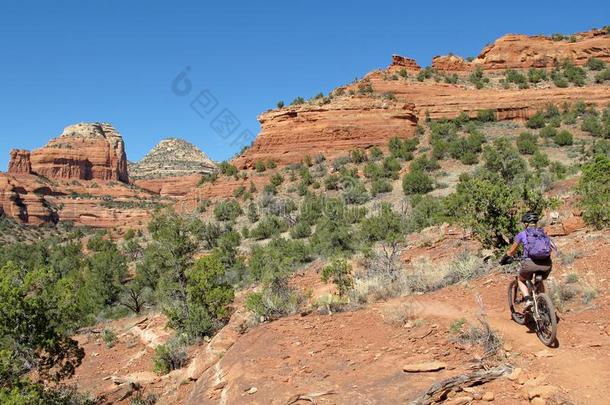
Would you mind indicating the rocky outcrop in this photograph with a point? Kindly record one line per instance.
(20, 162)
(287, 135)
(172, 158)
(85, 151)
(404, 62)
(522, 51)
(450, 63)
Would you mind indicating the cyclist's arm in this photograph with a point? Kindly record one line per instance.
(511, 252)
(513, 249)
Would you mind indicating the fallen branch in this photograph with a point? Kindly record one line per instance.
(308, 397)
(438, 391)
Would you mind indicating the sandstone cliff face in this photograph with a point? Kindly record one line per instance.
(450, 63)
(404, 62)
(522, 51)
(19, 162)
(172, 158)
(85, 151)
(288, 134)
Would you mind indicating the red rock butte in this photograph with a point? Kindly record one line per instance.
(85, 151)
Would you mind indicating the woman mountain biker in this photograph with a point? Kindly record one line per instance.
(536, 253)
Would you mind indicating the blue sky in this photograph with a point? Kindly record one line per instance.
(63, 62)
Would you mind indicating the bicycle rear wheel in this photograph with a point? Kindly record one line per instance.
(513, 294)
(546, 325)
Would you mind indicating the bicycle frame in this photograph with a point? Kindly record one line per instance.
(532, 287)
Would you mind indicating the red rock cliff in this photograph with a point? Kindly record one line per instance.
(20, 162)
(85, 151)
(384, 104)
(522, 51)
(288, 134)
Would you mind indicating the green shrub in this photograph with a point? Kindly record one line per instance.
(469, 158)
(558, 169)
(417, 182)
(527, 143)
(425, 73)
(539, 160)
(574, 74)
(426, 211)
(548, 132)
(592, 125)
(559, 79)
(331, 182)
(280, 104)
(594, 189)
(207, 178)
(169, 356)
(486, 205)
(365, 88)
(422, 163)
(300, 231)
(383, 226)
(276, 180)
(259, 166)
(477, 78)
(602, 76)
(354, 192)
(373, 171)
(486, 115)
(252, 213)
(380, 186)
(357, 156)
(376, 153)
(268, 226)
(339, 272)
(536, 121)
(109, 337)
(595, 64)
(272, 265)
(502, 158)
(227, 210)
(536, 75)
(298, 100)
(227, 169)
(564, 138)
(402, 149)
(513, 76)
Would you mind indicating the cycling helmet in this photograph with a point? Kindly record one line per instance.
(529, 218)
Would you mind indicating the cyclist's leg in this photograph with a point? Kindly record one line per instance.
(525, 273)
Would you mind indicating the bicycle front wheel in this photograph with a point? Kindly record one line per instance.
(514, 294)
(546, 324)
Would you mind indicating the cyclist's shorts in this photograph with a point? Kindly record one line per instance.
(529, 267)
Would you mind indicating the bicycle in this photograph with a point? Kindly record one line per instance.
(542, 311)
